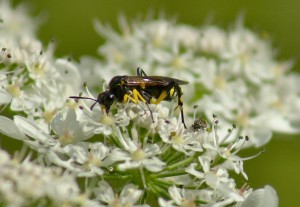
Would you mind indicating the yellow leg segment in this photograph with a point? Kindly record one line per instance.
(162, 96)
(136, 97)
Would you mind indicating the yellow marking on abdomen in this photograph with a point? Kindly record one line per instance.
(142, 85)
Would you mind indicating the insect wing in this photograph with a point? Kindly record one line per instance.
(152, 81)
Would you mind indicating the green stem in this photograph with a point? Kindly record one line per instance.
(116, 177)
(158, 191)
(165, 148)
(141, 169)
(169, 174)
(181, 163)
(163, 183)
(174, 156)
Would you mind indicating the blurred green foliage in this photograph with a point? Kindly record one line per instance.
(70, 22)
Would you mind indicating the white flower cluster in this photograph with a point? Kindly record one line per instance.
(233, 73)
(140, 156)
(27, 184)
(32, 80)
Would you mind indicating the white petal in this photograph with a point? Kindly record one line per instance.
(130, 194)
(10, 129)
(164, 203)
(128, 165)
(154, 164)
(104, 192)
(99, 150)
(281, 124)
(265, 197)
(4, 157)
(191, 170)
(30, 129)
(175, 194)
(5, 98)
(69, 74)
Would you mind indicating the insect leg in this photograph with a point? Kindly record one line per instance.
(150, 112)
(172, 88)
(135, 99)
(169, 90)
(140, 72)
(134, 96)
(137, 96)
(147, 97)
(180, 102)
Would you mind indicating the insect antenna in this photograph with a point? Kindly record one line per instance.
(79, 97)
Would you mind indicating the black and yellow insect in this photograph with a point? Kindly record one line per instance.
(148, 89)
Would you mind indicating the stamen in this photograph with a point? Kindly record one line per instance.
(244, 188)
(214, 128)
(10, 73)
(228, 134)
(195, 111)
(88, 92)
(3, 108)
(251, 157)
(241, 146)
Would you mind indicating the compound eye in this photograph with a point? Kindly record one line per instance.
(111, 96)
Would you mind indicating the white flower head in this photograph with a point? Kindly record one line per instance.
(173, 132)
(129, 195)
(134, 155)
(68, 129)
(262, 197)
(134, 144)
(228, 67)
(23, 183)
(182, 197)
(16, 21)
(85, 159)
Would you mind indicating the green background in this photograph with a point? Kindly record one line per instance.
(70, 22)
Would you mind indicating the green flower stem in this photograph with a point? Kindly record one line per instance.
(176, 155)
(163, 183)
(165, 148)
(169, 174)
(117, 177)
(182, 163)
(158, 191)
(116, 141)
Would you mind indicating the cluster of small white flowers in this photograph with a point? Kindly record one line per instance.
(148, 149)
(183, 197)
(32, 79)
(232, 73)
(27, 184)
